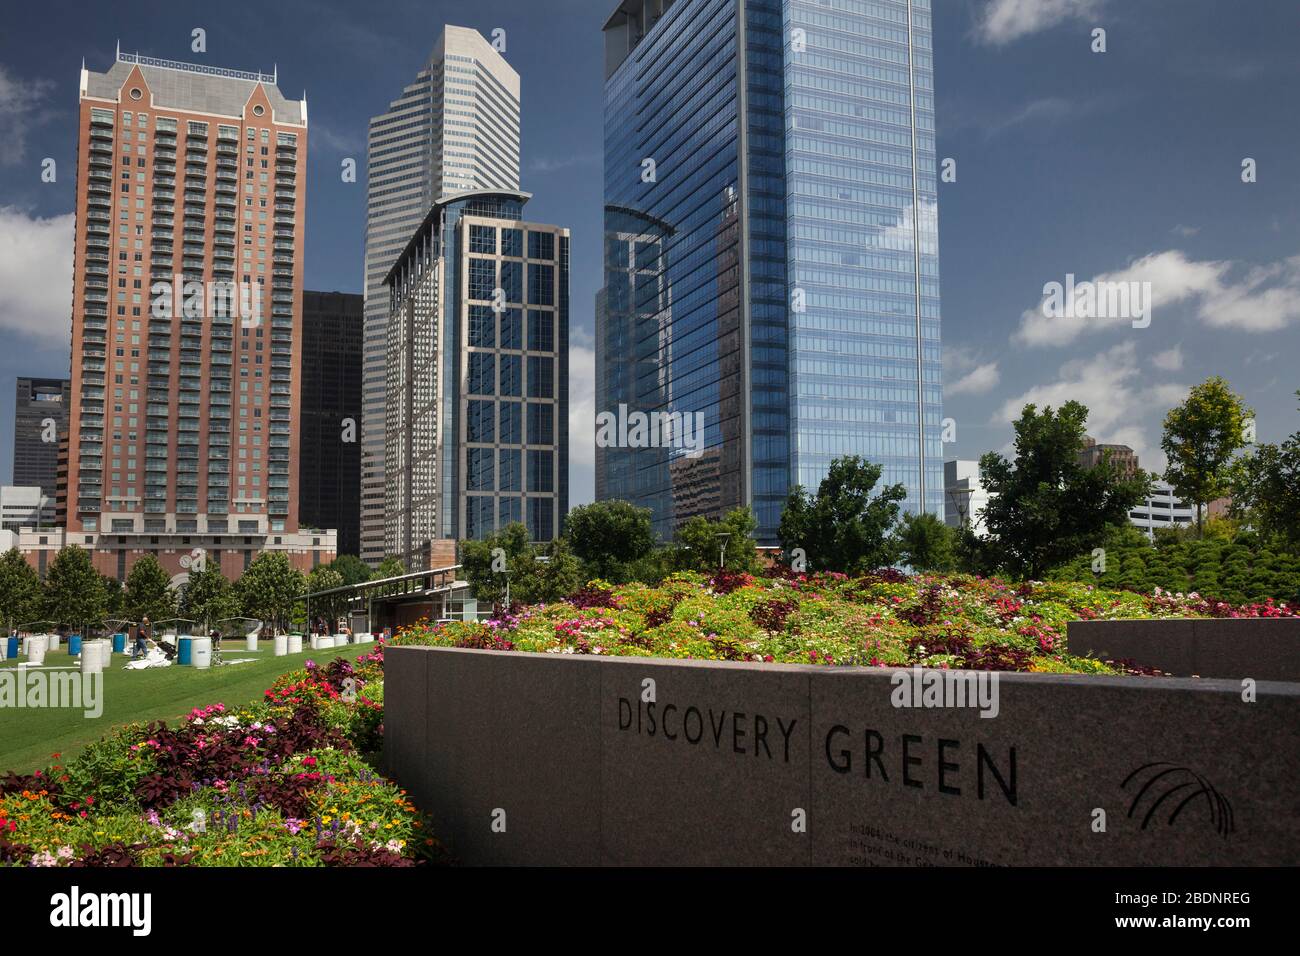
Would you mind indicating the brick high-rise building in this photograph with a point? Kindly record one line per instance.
(187, 318)
(329, 466)
(40, 416)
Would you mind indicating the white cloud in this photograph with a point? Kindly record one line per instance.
(22, 106)
(1004, 21)
(1170, 360)
(36, 276)
(1222, 294)
(582, 425)
(1123, 406)
(977, 381)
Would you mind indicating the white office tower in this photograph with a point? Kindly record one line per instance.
(456, 128)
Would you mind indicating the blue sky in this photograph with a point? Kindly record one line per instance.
(1124, 164)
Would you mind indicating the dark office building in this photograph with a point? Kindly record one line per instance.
(329, 472)
(39, 402)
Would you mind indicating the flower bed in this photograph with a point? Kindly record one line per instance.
(885, 619)
(286, 782)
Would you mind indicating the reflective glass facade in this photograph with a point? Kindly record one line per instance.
(766, 274)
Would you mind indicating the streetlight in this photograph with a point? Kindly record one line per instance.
(961, 501)
(722, 537)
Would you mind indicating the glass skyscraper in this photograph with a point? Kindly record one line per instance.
(771, 249)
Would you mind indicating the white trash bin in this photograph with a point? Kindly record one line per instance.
(295, 643)
(36, 650)
(281, 645)
(201, 652)
(92, 662)
(54, 642)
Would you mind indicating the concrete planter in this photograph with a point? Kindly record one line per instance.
(1260, 648)
(754, 764)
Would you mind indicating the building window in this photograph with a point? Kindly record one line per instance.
(511, 377)
(512, 281)
(480, 422)
(509, 472)
(541, 245)
(540, 519)
(541, 284)
(483, 239)
(512, 242)
(511, 417)
(482, 278)
(541, 377)
(541, 431)
(541, 331)
(512, 329)
(539, 470)
(482, 327)
(479, 468)
(482, 370)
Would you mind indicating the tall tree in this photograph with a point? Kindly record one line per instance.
(1266, 489)
(114, 599)
(269, 587)
(148, 591)
(351, 569)
(209, 597)
(488, 563)
(925, 543)
(1200, 438)
(325, 606)
(73, 592)
(844, 527)
(608, 536)
(1045, 508)
(701, 543)
(20, 590)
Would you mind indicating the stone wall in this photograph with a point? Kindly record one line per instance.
(554, 760)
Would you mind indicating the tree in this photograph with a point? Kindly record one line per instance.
(1266, 489)
(114, 600)
(608, 536)
(269, 588)
(1046, 508)
(700, 547)
(487, 563)
(1200, 438)
(390, 567)
(148, 591)
(925, 543)
(20, 590)
(73, 592)
(209, 597)
(326, 606)
(844, 527)
(351, 569)
(552, 573)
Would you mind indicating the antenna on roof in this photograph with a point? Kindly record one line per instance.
(275, 74)
(118, 55)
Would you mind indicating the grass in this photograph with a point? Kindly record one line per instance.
(28, 736)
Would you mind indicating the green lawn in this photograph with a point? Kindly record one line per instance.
(28, 736)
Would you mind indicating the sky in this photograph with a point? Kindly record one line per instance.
(1122, 165)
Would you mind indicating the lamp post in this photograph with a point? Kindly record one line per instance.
(722, 537)
(961, 501)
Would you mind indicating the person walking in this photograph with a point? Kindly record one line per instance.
(141, 638)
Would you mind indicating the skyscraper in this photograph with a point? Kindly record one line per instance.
(478, 368)
(40, 417)
(187, 319)
(771, 255)
(456, 128)
(329, 466)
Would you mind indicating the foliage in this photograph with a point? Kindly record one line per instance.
(844, 527)
(351, 569)
(114, 597)
(148, 591)
(609, 537)
(884, 618)
(1045, 508)
(209, 597)
(536, 573)
(20, 589)
(73, 593)
(327, 607)
(1266, 489)
(287, 782)
(1200, 438)
(924, 543)
(699, 546)
(1216, 568)
(269, 588)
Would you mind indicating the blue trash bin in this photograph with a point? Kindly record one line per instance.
(74, 645)
(13, 648)
(184, 651)
(119, 643)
